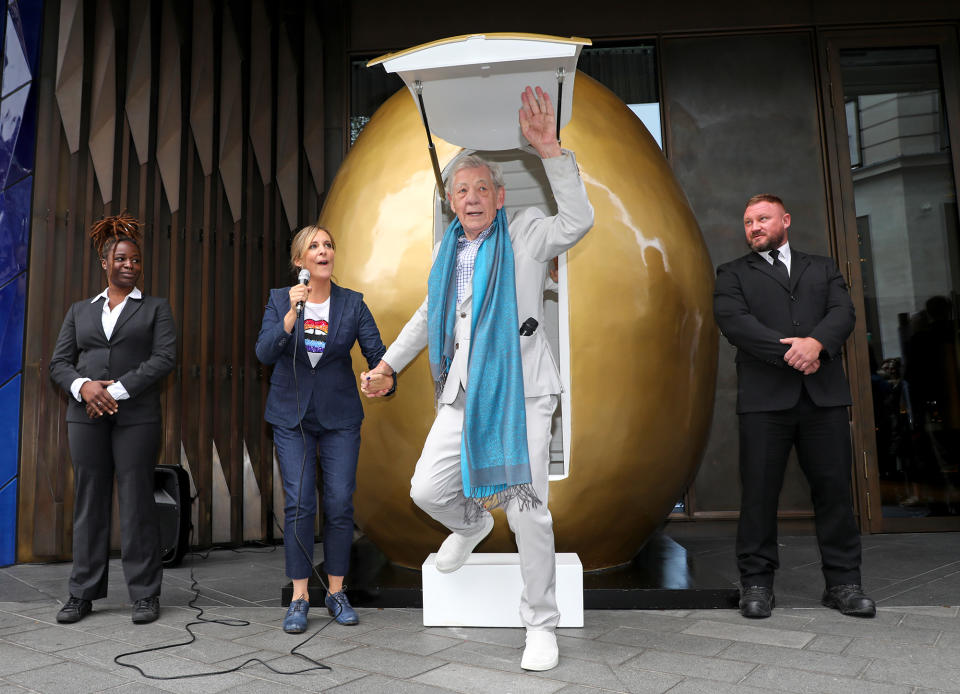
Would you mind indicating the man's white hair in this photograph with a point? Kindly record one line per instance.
(472, 161)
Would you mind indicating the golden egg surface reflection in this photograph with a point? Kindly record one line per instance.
(642, 337)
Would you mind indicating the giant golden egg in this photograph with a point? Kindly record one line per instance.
(642, 341)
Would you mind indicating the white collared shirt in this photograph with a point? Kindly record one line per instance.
(784, 256)
(108, 319)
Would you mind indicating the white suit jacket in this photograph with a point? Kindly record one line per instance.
(536, 239)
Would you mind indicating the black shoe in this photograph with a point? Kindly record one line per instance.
(756, 602)
(75, 610)
(146, 610)
(850, 600)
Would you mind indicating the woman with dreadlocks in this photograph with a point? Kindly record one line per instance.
(111, 355)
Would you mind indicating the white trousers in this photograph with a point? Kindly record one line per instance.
(437, 488)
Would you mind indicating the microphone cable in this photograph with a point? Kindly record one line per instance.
(303, 465)
(200, 619)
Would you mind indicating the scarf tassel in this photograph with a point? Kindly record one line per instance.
(524, 494)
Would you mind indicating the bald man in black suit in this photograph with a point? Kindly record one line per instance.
(788, 314)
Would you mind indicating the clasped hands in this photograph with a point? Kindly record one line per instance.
(803, 354)
(98, 398)
(378, 381)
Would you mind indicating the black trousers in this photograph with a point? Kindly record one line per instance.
(822, 438)
(98, 450)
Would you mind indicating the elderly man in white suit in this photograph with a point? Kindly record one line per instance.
(476, 195)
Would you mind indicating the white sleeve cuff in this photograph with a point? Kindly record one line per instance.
(117, 391)
(75, 388)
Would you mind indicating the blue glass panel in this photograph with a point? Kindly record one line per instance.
(24, 153)
(9, 429)
(11, 115)
(28, 16)
(14, 229)
(8, 524)
(8, 246)
(12, 297)
(16, 70)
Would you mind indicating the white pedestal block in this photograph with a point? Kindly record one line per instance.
(485, 592)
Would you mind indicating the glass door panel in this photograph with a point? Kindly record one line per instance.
(909, 251)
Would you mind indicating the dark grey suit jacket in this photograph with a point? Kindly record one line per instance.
(754, 308)
(140, 352)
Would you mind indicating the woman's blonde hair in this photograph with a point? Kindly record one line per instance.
(302, 241)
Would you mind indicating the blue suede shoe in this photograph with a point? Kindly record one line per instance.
(296, 620)
(338, 606)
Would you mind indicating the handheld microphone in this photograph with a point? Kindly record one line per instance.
(529, 327)
(303, 277)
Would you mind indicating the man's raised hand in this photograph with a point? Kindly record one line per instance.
(538, 122)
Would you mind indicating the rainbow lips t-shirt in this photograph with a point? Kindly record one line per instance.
(315, 329)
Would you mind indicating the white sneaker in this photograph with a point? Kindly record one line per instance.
(541, 652)
(456, 549)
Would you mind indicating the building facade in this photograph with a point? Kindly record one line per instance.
(222, 123)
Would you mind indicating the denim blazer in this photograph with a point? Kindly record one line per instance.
(333, 381)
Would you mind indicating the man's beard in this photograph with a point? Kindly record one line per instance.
(762, 244)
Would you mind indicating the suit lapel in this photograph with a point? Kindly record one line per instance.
(336, 311)
(798, 263)
(94, 310)
(129, 310)
(761, 265)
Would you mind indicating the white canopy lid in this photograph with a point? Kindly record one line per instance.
(472, 84)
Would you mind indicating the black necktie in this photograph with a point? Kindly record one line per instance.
(779, 267)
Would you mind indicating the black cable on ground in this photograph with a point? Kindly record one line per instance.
(314, 665)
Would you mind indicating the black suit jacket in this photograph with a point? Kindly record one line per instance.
(141, 350)
(754, 309)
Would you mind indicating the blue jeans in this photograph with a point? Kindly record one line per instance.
(297, 456)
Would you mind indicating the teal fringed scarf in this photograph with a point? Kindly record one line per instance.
(493, 449)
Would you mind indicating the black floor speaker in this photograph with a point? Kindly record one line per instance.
(171, 491)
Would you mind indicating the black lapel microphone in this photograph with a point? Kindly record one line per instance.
(529, 327)
(303, 278)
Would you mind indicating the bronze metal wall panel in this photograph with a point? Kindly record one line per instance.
(212, 261)
(743, 118)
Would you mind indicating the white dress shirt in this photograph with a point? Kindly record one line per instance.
(784, 256)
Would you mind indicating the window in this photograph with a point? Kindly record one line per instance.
(853, 132)
(630, 72)
(369, 89)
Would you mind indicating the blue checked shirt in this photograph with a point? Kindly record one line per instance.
(466, 256)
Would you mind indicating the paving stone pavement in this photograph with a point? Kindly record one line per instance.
(907, 649)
